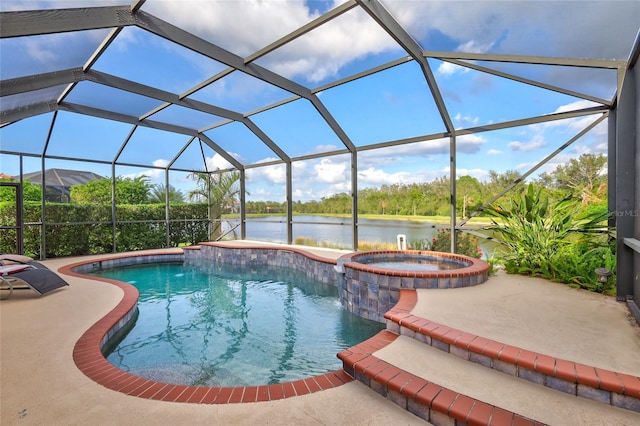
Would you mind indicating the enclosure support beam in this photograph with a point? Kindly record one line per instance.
(49, 21)
(167, 224)
(452, 184)
(289, 196)
(627, 204)
(243, 202)
(354, 199)
(43, 229)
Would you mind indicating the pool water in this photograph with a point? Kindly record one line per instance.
(415, 265)
(221, 325)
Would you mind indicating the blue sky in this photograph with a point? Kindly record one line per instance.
(394, 104)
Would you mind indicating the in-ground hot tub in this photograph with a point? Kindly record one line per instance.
(371, 281)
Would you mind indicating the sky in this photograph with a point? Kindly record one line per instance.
(391, 105)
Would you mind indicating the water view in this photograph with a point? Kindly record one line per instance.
(338, 231)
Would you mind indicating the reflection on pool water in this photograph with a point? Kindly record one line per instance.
(221, 325)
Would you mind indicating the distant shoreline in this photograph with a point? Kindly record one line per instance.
(476, 221)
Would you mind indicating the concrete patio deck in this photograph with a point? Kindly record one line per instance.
(41, 385)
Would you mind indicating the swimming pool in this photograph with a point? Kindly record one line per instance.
(229, 325)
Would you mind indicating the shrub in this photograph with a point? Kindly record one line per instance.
(576, 265)
(143, 227)
(561, 242)
(466, 244)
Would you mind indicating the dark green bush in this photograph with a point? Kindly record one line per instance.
(561, 242)
(576, 265)
(140, 227)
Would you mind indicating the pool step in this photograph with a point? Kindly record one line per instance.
(426, 399)
(446, 390)
(449, 377)
(598, 384)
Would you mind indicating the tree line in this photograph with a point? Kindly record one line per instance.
(585, 177)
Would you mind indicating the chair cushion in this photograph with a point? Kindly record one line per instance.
(12, 259)
(12, 269)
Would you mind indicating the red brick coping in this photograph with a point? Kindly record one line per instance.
(420, 397)
(472, 266)
(609, 387)
(87, 354)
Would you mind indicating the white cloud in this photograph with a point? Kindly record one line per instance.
(217, 162)
(302, 194)
(326, 148)
(576, 124)
(447, 69)
(154, 175)
(473, 46)
(480, 174)
(272, 175)
(39, 51)
(494, 152)
(466, 121)
(534, 144)
(328, 171)
(467, 144)
(534, 28)
(377, 177)
(314, 56)
(160, 162)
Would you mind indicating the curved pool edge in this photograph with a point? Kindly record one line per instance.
(370, 291)
(88, 357)
(474, 266)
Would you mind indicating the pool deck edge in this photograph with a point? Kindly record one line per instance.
(88, 356)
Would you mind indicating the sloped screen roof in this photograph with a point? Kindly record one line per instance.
(194, 85)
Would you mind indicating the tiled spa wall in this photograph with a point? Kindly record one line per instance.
(316, 268)
(320, 269)
(370, 291)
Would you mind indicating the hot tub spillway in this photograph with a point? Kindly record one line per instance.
(370, 290)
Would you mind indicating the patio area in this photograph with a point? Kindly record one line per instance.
(40, 384)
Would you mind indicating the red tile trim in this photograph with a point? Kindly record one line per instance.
(362, 360)
(475, 266)
(565, 370)
(88, 357)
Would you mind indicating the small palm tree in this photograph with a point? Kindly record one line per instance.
(157, 194)
(219, 190)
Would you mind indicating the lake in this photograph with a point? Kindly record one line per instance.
(337, 230)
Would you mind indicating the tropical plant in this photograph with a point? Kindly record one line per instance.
(577, 264)
(541, 236)
(466, 244)
(219, 190)
(157, 194)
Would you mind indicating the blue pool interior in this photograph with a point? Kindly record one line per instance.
(228, 325)
(416, 264)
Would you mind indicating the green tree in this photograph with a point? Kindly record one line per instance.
(219, 190)
(500, 181)
(468, 194)
(30, 191)
(128, 191)
(585, 176)
(157, 194)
